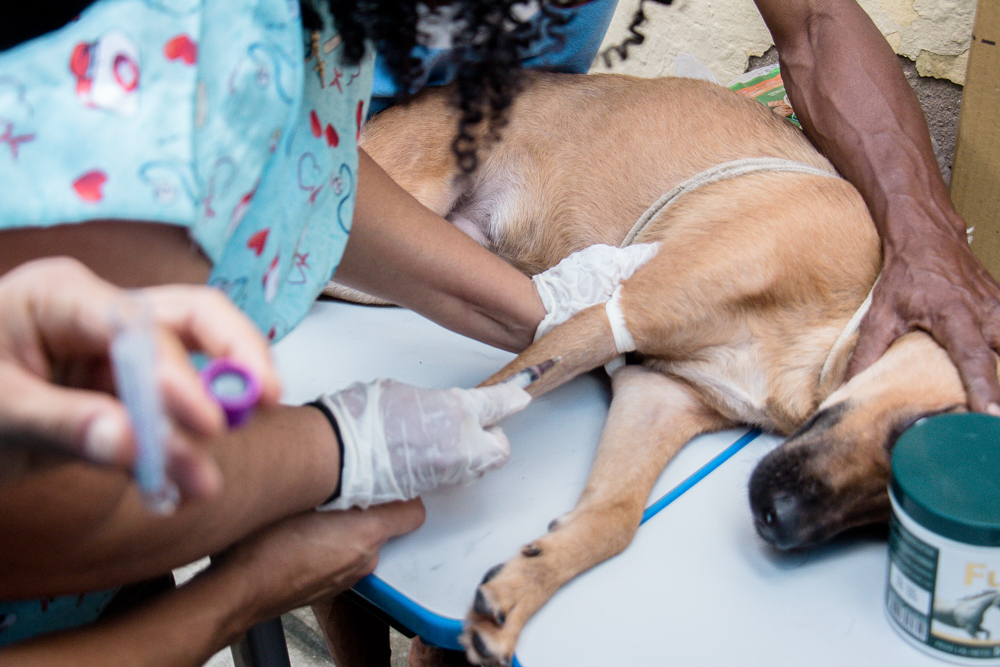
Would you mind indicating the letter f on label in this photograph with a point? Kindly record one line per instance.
(974, 571)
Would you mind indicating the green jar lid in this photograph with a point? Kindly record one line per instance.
(946, 476)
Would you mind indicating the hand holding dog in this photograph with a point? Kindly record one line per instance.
(930, 278)
(585, 278)
(938, 286)
(401, 441)
(55, 372)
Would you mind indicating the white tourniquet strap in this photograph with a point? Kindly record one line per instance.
(623, 337)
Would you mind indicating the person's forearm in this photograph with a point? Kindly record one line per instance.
(855, 104)
(181, 628)
(403, 252)
(74, 527)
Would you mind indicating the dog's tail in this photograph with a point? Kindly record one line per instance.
(581, 343)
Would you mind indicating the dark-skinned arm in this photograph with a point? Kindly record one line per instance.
(296, 561)
(73, 527)
(855, 104)
(402, 251)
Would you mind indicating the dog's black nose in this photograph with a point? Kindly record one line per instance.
(781, 492)
(777, 519)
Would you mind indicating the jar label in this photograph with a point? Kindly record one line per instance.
(946, 598)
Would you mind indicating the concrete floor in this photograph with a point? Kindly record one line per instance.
(306, 646)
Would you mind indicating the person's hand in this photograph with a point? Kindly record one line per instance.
(585, 278)
(400, 441)
(55, 380)
(315, 555)
(940, 287)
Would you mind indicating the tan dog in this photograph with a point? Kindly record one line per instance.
(741, 318)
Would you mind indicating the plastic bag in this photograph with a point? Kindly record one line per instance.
(765, 85)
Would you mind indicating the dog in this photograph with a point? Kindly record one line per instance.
(746, 315)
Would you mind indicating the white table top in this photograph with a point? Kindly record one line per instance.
(696, 587)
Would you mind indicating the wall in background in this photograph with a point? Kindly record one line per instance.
(723, 34)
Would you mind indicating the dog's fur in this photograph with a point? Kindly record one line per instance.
(734, 318)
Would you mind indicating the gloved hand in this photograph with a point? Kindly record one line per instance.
(587, 277)
(400, 441)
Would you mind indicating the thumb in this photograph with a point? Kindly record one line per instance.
(399, 517)
(497, 401)
(493, 456)
(873, 340)
(90, 424)
(634, 256)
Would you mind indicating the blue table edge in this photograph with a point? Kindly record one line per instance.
(441, 631)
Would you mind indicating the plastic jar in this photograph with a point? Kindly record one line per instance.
(943, 585)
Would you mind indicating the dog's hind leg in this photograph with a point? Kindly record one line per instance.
(651, 417)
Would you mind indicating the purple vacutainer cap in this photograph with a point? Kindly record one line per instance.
(234, 387)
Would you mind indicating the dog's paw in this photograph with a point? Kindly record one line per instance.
(484, 650)
(505, 599)
(511, 593)
(487, 643)
(486, 638)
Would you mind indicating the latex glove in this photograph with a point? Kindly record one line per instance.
(587, 277)
(401, 441)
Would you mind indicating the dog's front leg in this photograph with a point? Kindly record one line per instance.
(581, 343)
(651, 417)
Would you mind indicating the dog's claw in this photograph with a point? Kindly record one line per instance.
(483, 607)
(480, 605)
(493, 571)
(479, 646)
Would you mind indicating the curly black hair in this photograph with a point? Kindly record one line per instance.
(635, 37)
(489, 42)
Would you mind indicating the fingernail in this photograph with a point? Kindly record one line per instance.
(103, 441)
(993, 409)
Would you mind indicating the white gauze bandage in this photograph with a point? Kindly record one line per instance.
(623, 337)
